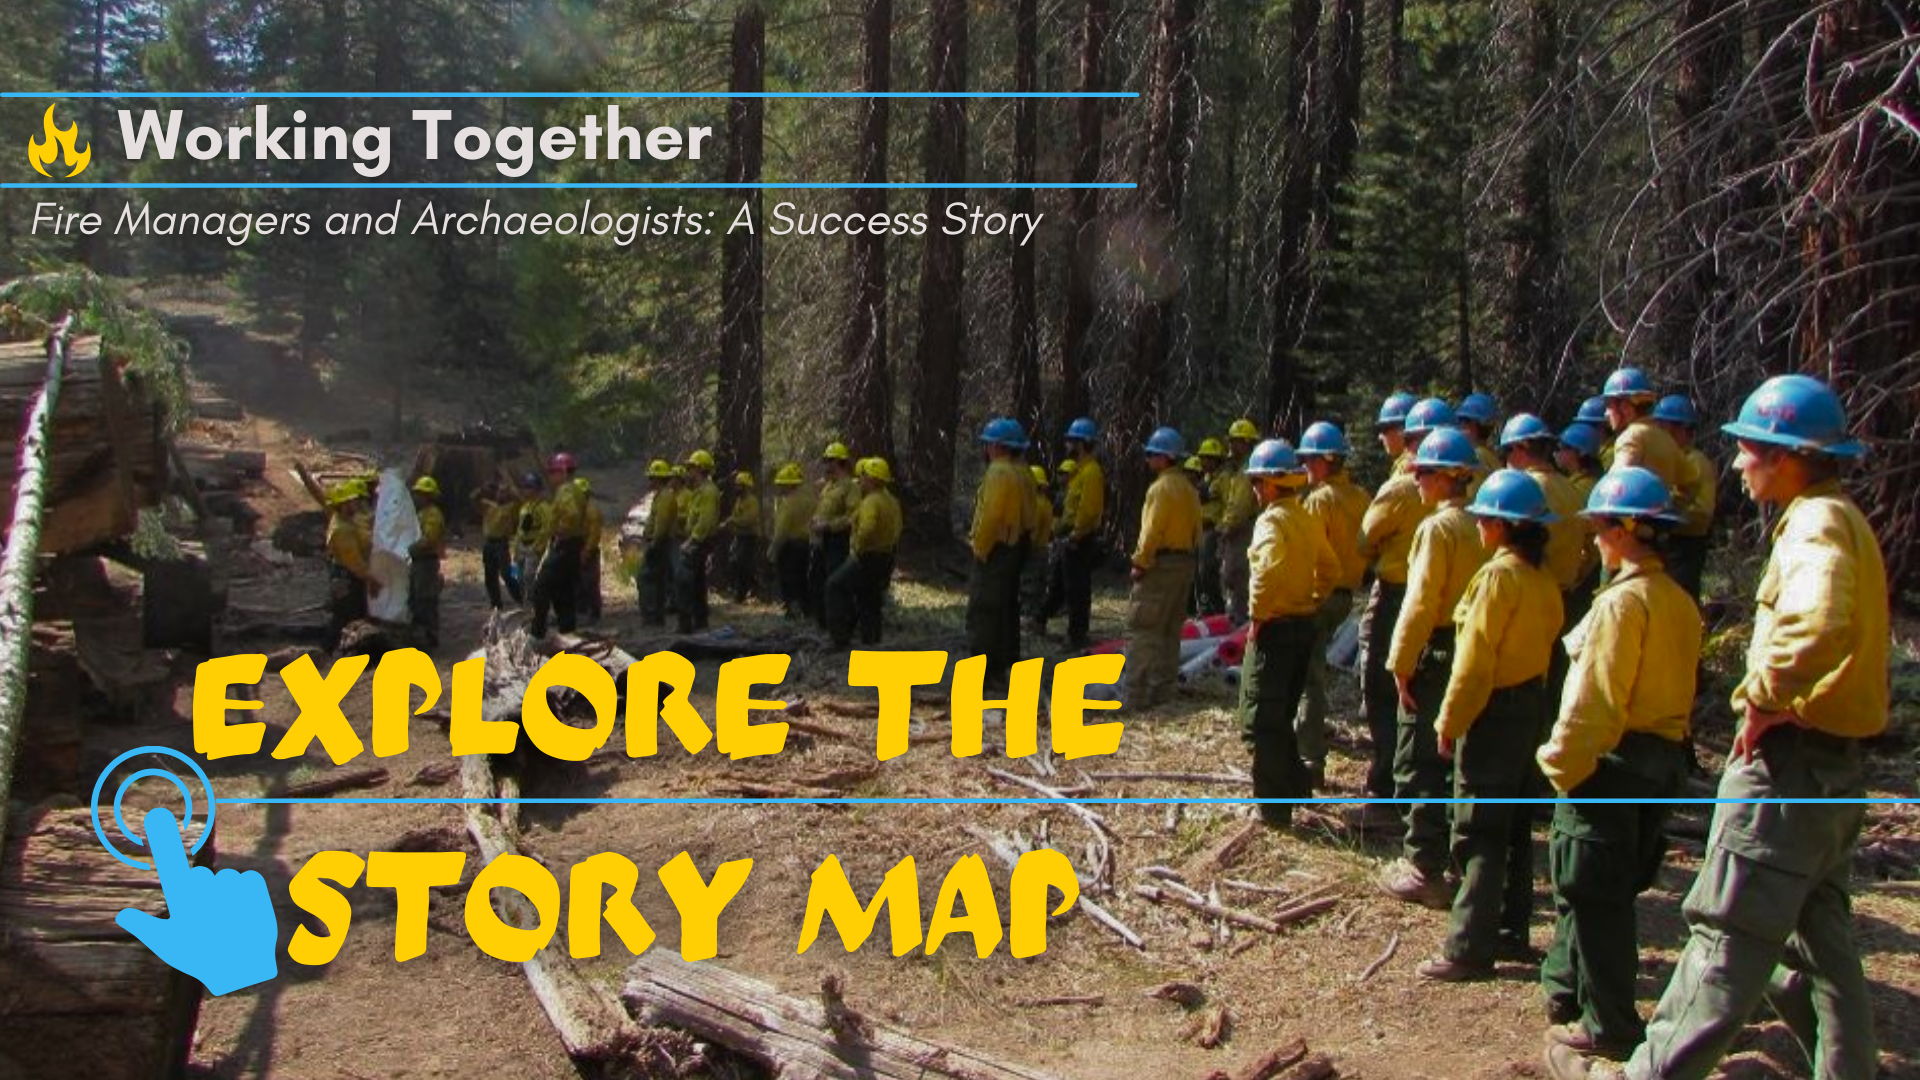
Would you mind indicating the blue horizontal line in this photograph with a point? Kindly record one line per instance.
(698, 94)
(774, 185)
(1036, 801)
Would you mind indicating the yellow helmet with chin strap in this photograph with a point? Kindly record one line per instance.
(1243, 429)
(427, 485)
(659, 470)
(789, 476)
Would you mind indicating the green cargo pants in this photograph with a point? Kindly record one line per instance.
(1600, 858)
(1378, 696)
(1419, 772)
(1208, 598)
(1493, 841)
(1310, 727)
(1273, 674)
(1235, 570)
(993, 609)
(1156, 611)
(1770, 917)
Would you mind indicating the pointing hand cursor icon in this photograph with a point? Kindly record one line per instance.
(220, 927)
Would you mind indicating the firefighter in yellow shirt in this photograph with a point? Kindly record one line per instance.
(1770, 913)
(1446, 554)
(556, 588)
(1292, 569)
(743, 538)
(423, 561)
(1163, 568)
(1082, 511)
(349, 551)
(1339, 505)
(787, 548)
(1033, 573)
(1637, 440)
(1002, 528)
(1237, 511)
(1491, 720)
(1209, 597)
(1620, 737)
(1687, 545)
(857, 589)
(588, 602)
(499, 515)
(699, 526)
(656, 563)
(832, 526)
(1476, 416)
(530, 533)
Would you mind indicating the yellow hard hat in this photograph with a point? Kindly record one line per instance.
(346, 491)
(679, 471)
(1068, 466)
(835, 452)
(1243, 429)
(1039, 474)
(878, 469)
(700, 459)
(789, 476)
(659, 470)
(743, 478)
(581, 483)
(1210, 447)
(427, 485)
(1195, 465)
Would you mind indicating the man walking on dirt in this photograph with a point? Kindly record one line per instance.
(1079, 530)
(1163, 568)
(556, 587)
(1002, 524)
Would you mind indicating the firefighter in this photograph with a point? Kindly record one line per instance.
(1579, 456)
(832, 525)
(1445, 555)
(1078, 528)
(1033, 574)
(787, 547)
(1621, 737)
(1529, 444)
(530, 532)
(1390, 428)
(656, 564)
(743, 538)
(857, 589)
(1770, 915)
(1492, 718)
(349, 554)
(1162, 573)
(588, 603)
(1292, 569)
(1338, 504)
(556, 587)
(1687, 545)
(1237, 511)
(499, 515)
(1002, 524)
(1637, 440)
(1476, 416)
(699, 527)
(423, 572)
(1209, 597)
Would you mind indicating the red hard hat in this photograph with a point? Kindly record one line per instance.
(561, 462)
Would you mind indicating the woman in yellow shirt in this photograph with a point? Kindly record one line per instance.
(1492, 719)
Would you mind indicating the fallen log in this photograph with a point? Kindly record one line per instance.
(792, 1037)
(1160, 895)
(1270, 1064)
(1221, 857)
(1301, 912)
(351, 779)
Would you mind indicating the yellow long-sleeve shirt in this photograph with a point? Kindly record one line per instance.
(1042, 519)
(1701, 494)
(498, 518)
(1583, 483)
(702, 509)
(1169, 519)
(792, 511)
(536, 516)
(1633, 663)
(1446, 554)
(1002, 508)
(349, 543)
(1086, 501)
(567, 512)
(1569, 538)
(876, 523)
(1213, 500)
(433, 533)
(1238, 507)
(1388, 526)
(596, 524)
(1648, 445)
(1820, 633)
(745, 518)
(1291, 567)
(662, 513)
(833, 510)
(1340, 506)
(1489, 461)
(1506, 622)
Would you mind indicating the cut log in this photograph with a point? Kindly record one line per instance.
(217, 408)
(792, 1037)
(344, 780)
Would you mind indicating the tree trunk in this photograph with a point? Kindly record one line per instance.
(1288, 397)
(1083, 216)
(868, 392)
(1023, 348)
(1394, 69)
(742, 281)
(942, 352)
(1343, 73)
(1532, 334)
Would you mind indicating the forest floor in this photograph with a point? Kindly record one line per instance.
(455, 1012)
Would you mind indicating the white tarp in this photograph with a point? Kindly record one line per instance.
(396, 528)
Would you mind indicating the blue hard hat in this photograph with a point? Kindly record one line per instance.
(1582, 438)
(1446, 448)
(1524, 427)
(1676, 409)
(1629, 491)
(1324, 439)
(1592, 411)
(1393, 411)
(1083, 429)
(1628, 382)
(1167, 442)
(1798, 412)
(1273, 457)
(1512, 495)
(1478, 407)
(1005, 431)
(1428, 414)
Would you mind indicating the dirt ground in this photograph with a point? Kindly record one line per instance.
(455, 1012)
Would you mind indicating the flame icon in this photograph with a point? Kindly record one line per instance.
(58, 146)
